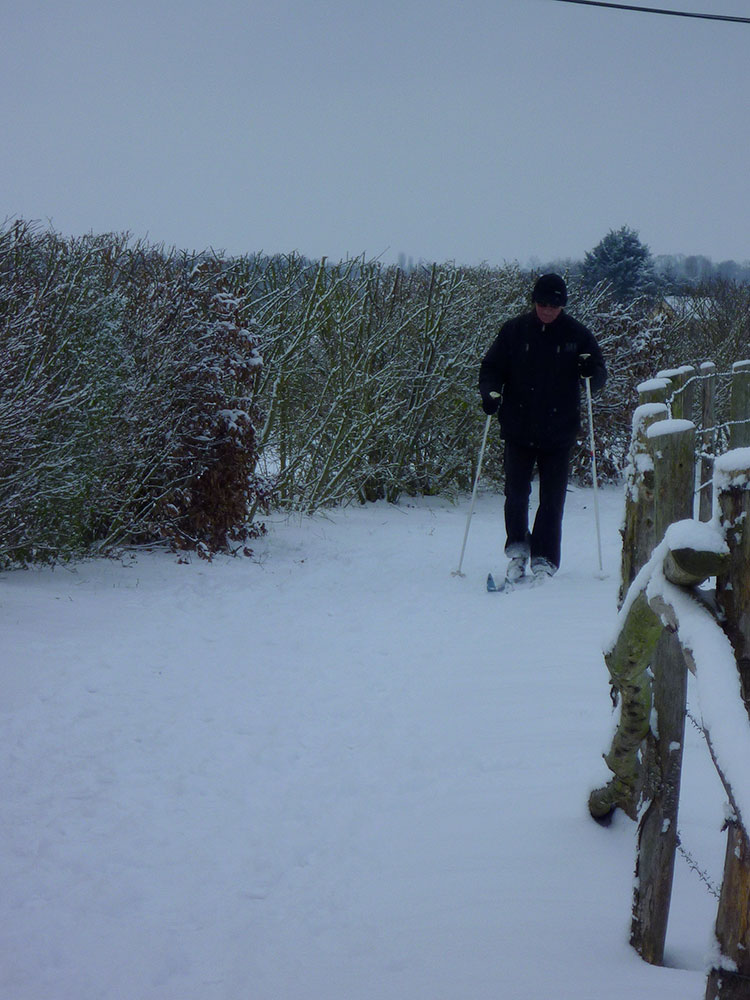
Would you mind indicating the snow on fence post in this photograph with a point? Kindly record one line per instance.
(653, 390)
(637, 531)
(708, 439)
(729, 979)
(739, 408)
(673, 450)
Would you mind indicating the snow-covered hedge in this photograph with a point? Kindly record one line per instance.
(370, 378)
(125, 411)
(135, 406)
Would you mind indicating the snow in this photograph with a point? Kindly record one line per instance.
(652, 384)
(708, 651)
(718, 684)
(672, 426)
(332, 772)
(671, 373)
(645, 412)
(640, 461)
(710, 654)
(692, 534)
(731, 469)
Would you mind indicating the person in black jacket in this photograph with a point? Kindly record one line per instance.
(532, 376)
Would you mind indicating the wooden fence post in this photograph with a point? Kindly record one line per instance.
(673, 448)
(739, 409)
(682, 391)
(638, 525)
(732, 472)
(653, 390)
(708, 440)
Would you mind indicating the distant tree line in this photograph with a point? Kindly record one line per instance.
(681, 274)
(149, 396)
(623, 260)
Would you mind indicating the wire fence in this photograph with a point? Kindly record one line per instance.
(718, 405)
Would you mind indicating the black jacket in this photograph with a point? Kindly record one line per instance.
(535, 368)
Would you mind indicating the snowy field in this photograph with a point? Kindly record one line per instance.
(330, 772)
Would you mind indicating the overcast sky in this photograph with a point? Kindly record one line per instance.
(474, 130)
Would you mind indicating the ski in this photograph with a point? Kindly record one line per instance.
(508, 586)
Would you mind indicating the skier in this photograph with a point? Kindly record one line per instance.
(536, 363)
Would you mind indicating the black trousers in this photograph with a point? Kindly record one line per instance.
(545, 539)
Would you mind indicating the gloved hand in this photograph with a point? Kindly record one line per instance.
(490, 402)
(586, 365)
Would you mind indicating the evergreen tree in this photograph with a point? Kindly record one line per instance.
(625, 263)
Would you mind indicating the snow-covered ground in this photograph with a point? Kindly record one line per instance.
(332, 772)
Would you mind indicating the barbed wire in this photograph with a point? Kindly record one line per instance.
(695, 867)
(694, 378)
(721, 428)
(692, 864)
(695, 722)
(717, 428)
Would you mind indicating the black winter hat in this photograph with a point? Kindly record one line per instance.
(550, 290)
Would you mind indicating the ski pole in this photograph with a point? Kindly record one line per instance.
(457, 572)
(593, 466)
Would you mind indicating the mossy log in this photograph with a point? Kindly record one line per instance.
(646, 640)
(628, 662)
(689, 567)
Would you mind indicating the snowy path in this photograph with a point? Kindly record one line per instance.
(334, 772)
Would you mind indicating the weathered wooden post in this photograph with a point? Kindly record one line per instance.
(732, 491)
(739, 407)
(708, 439)
(673, 449)
(653, 390)
(682, 390)
(638, 524)
(638, 538)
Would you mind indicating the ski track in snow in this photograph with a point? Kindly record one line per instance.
(334, 771)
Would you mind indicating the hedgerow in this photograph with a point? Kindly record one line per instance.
(149, 396)
(126, 384)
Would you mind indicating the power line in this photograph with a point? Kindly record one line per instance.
(659, 10)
